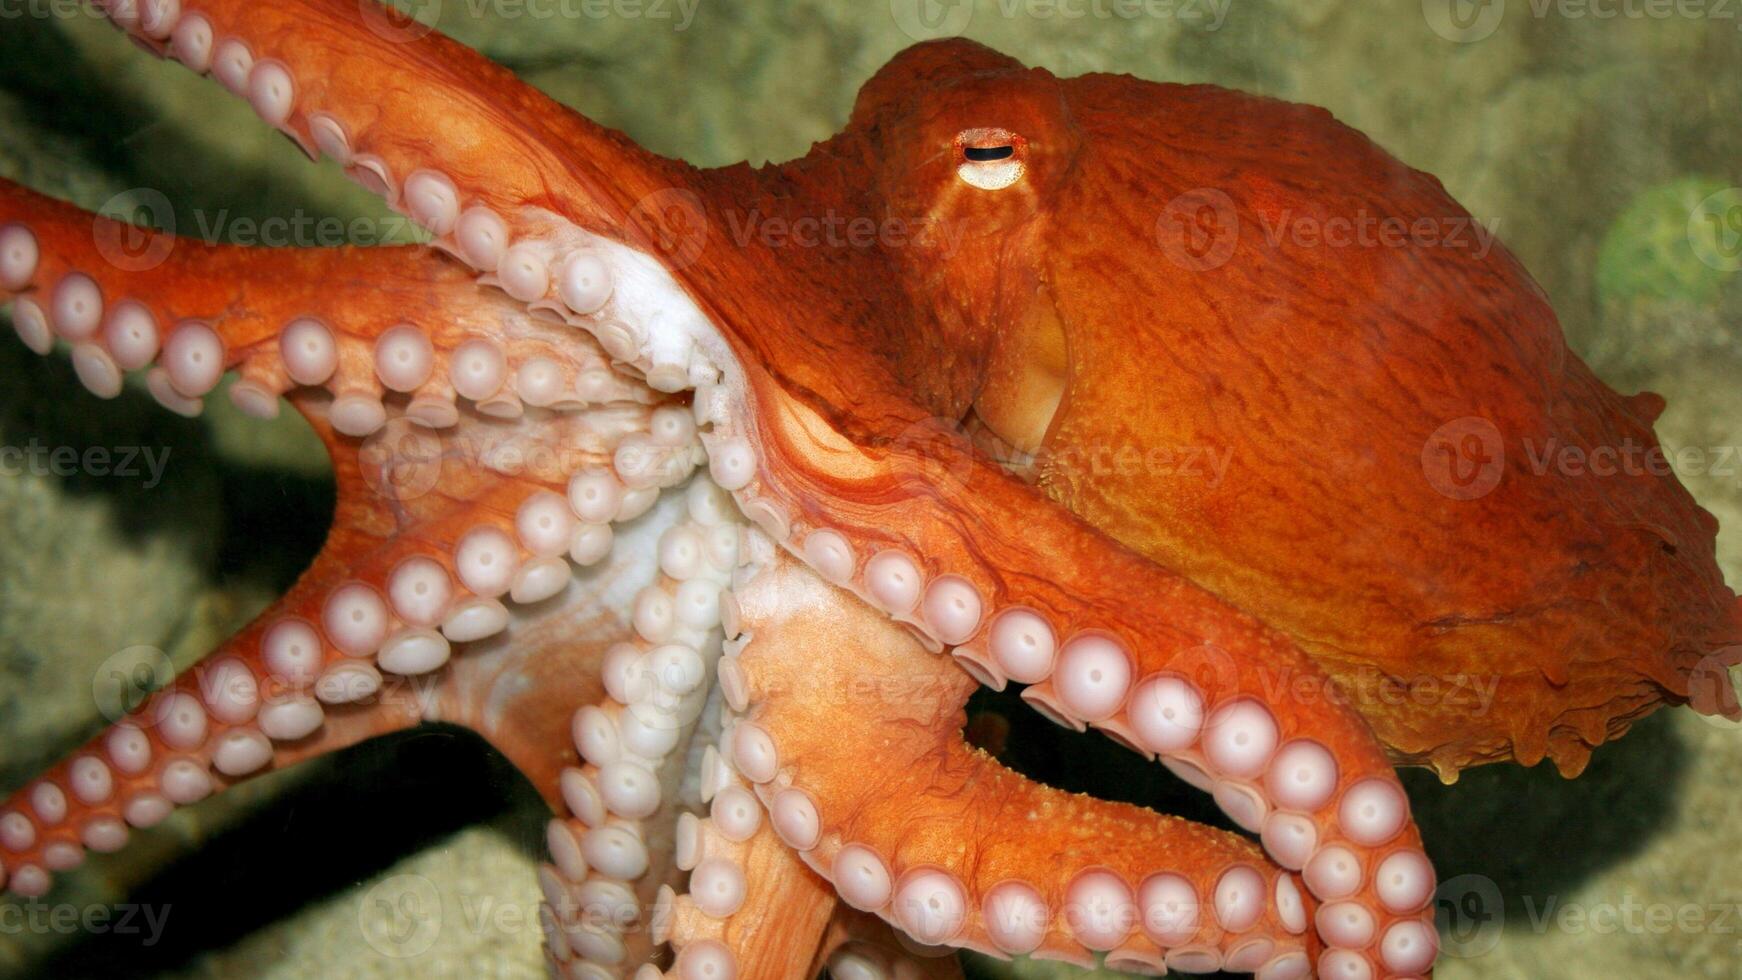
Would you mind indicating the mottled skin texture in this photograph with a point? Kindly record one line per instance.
(1318, 372)
(1122, 295)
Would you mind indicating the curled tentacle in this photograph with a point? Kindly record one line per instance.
(946, 844)
(1178, 675)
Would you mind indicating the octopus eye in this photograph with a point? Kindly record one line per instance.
(990, 159)
(984, 154)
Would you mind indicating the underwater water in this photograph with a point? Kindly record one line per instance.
(1601, 141)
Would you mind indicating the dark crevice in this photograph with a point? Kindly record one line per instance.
(1508, 841)
(1077, 762)
(1084, 762)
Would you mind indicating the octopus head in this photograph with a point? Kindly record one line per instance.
(975, 151)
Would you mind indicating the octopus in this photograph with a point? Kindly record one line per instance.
(713, 537)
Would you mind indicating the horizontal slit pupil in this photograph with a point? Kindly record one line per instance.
(981, 154)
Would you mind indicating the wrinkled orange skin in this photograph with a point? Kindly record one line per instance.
(1478, 598)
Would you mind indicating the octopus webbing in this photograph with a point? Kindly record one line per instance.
(713, 537)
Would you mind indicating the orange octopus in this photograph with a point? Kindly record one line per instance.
(678, 485)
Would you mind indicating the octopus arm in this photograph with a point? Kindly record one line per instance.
(750, 906)
(951, 847)
(343, 329)
(1020, 590)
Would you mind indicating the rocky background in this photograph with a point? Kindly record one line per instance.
(1604, 150)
